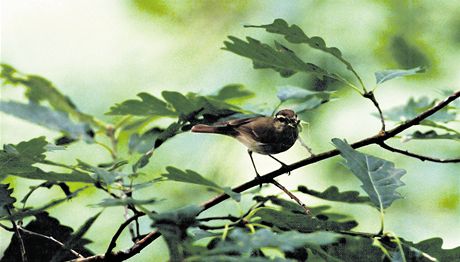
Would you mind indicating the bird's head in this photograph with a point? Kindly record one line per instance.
(287, 117)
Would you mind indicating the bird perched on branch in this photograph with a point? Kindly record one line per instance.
(264, 135)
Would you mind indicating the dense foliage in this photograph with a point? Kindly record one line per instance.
(273, 228)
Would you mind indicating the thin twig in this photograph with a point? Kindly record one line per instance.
(21, 241)
(370, 96)
(376, 139)
(292, 196)
(10, 229)
(51, 239)
(113, 242)
(421, 157)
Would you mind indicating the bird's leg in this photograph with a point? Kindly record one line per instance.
(255, 169)
(282, 164)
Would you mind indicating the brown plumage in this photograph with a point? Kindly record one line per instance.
(264, 135)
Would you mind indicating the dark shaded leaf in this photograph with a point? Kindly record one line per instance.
(287, 220)
(173, 226)
(75, 238)
(189, 176)
(179, 102)
(41, 249)
(415, 107)
(149, 106)
(379, 177)
(6, 200)
(112, 202)
(295, 35)
(352, 249)
(332, 193)
(385, 75)
(43, 116)
(281, 59)
(244, 243)
(143, 143)
(433, 248)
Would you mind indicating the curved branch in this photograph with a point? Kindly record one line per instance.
(423, 158)
(377, 139)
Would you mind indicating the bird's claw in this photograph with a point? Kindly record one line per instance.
(259, 180)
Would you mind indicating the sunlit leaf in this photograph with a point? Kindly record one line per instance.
(34, 211)
(295, 35)
(233, 92)
(43, 116)
(18, 160)
(385, 75)
(281, 59)
(40, 249)
(431, 134)
(379, 177)
(179, 102)
(39, 89)
(332, 194)
(189, 176)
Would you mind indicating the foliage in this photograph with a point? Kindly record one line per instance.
(272, 229)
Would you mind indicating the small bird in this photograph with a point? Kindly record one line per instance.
(264, 135)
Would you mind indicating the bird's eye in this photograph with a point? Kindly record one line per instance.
(281, 119)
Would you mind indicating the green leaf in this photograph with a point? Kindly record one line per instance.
(173, 226)
(406, 53)
(281, 59)
(39, 89)
(179, 102)
(40, 249)
(433, 247)
(287, 220)
(18, 160)
(192, 177)
(385, 75)
(6, 200)
(415, 107)
(172, 130)
(149, 106)
(99, 174)
(43, 116)
(242, 242)
(75, 238)
(379, 177)
(295, 35)
(32, 212)
(143, 143)
(352, 248)
(233, 92)
(332, 194)
(112, 202)
(431, 134)
(301, 99)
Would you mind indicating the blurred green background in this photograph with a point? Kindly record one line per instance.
(103, 52)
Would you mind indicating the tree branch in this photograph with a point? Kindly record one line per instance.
(423, 158)
(292, 196)
(370, 96)
(376, 139)
(113, 242)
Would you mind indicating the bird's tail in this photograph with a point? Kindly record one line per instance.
(200, 128)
